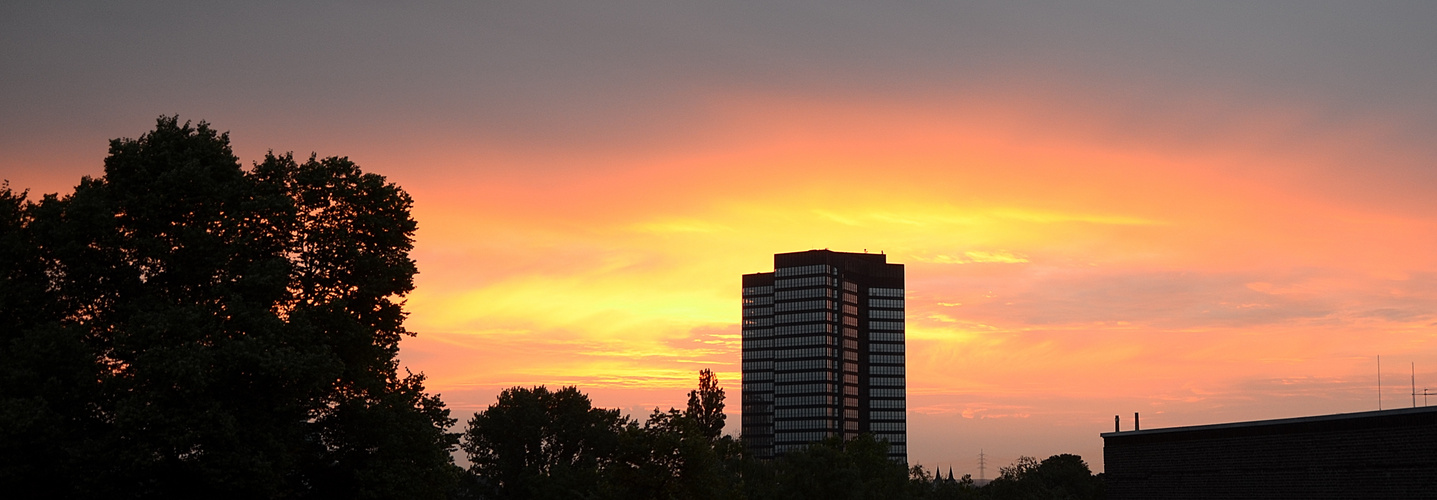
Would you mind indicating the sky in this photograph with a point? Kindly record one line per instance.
(1203, 212)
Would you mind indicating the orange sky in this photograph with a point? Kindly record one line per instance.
(1203, 213)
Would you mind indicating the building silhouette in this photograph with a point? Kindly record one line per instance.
(823, 352)
(1374, 454)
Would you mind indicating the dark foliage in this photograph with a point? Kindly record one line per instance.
(185, 327)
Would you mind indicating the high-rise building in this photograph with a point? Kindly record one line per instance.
(823, 352)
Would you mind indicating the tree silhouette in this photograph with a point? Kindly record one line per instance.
(184, 327)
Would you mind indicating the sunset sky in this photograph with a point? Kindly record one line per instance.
(1201, 212)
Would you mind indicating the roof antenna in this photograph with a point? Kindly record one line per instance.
(1414, 384)
(1379, 382)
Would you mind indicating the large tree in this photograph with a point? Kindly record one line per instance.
(182, 326)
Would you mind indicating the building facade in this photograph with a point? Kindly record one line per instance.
(1375, 454)
(823, 352)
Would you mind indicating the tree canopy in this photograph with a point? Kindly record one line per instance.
(183, 326)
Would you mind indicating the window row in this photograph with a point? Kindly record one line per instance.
(757, 290)
(805, 412)
(757, 418)
(850, 321)
(757, 332)
(850, 298)
(887, 415)
(758, 386)
(888, 303)
(894, 439)
(884, 393)
(804, 317)
(806, 340)
(758, 322)
(894, 359)
(758, 300)
(885, 292)
(891, 404)
(886, 381)
(886, 336)
(757, 397)
(850, 287)
(811, 352)
(792, 329)
(758, 375)
(887, 426)
(749, 312)
(886, 325)
(802, 270)
(806, 293)
(803, 305)
(757, 355)
(850, 310)
(882, 347)
(805, 425)
(757, 343)
(804, 282)
(885, 370)
(788, 401)
(813, 376)
(807, 364)
(758, 408)
(803, 388)
(885, 314)
(754, 366)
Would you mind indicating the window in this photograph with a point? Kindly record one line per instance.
(885, 393)
(764, 375)
(805, 376)
(887, 426)
(886, 336)
(758, 300)
(888, 381)
(885, 370)
(885, 325)
(758, 322)
(812, 352)
(886, 415)
(885, 314)
(803, 305)
(749, 366)
(885, 358)
(896, 404)
(804, 317)
(889, 303)
(757, 343)
(886, 292)
(850, 310)
(757, 311)
(878, 347)
(807, 293)
(757, 290)
(803, 282)
(750, 333)
(757, 355)
(795, 329)
(803, 388)
(802, 270)
(807, 364)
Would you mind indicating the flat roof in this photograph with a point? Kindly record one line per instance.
(1257, 424)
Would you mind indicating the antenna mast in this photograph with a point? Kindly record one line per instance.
(1379, 382)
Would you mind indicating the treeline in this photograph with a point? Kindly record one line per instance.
(537, 443)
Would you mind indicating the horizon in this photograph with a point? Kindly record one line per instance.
(1201, 213)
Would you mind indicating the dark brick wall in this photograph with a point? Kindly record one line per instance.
(1390, 454)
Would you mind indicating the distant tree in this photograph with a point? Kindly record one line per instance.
(537, 443)
(1060, 477)
(706, 405)
(184, 327)
(681, 454)
(857, 468)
